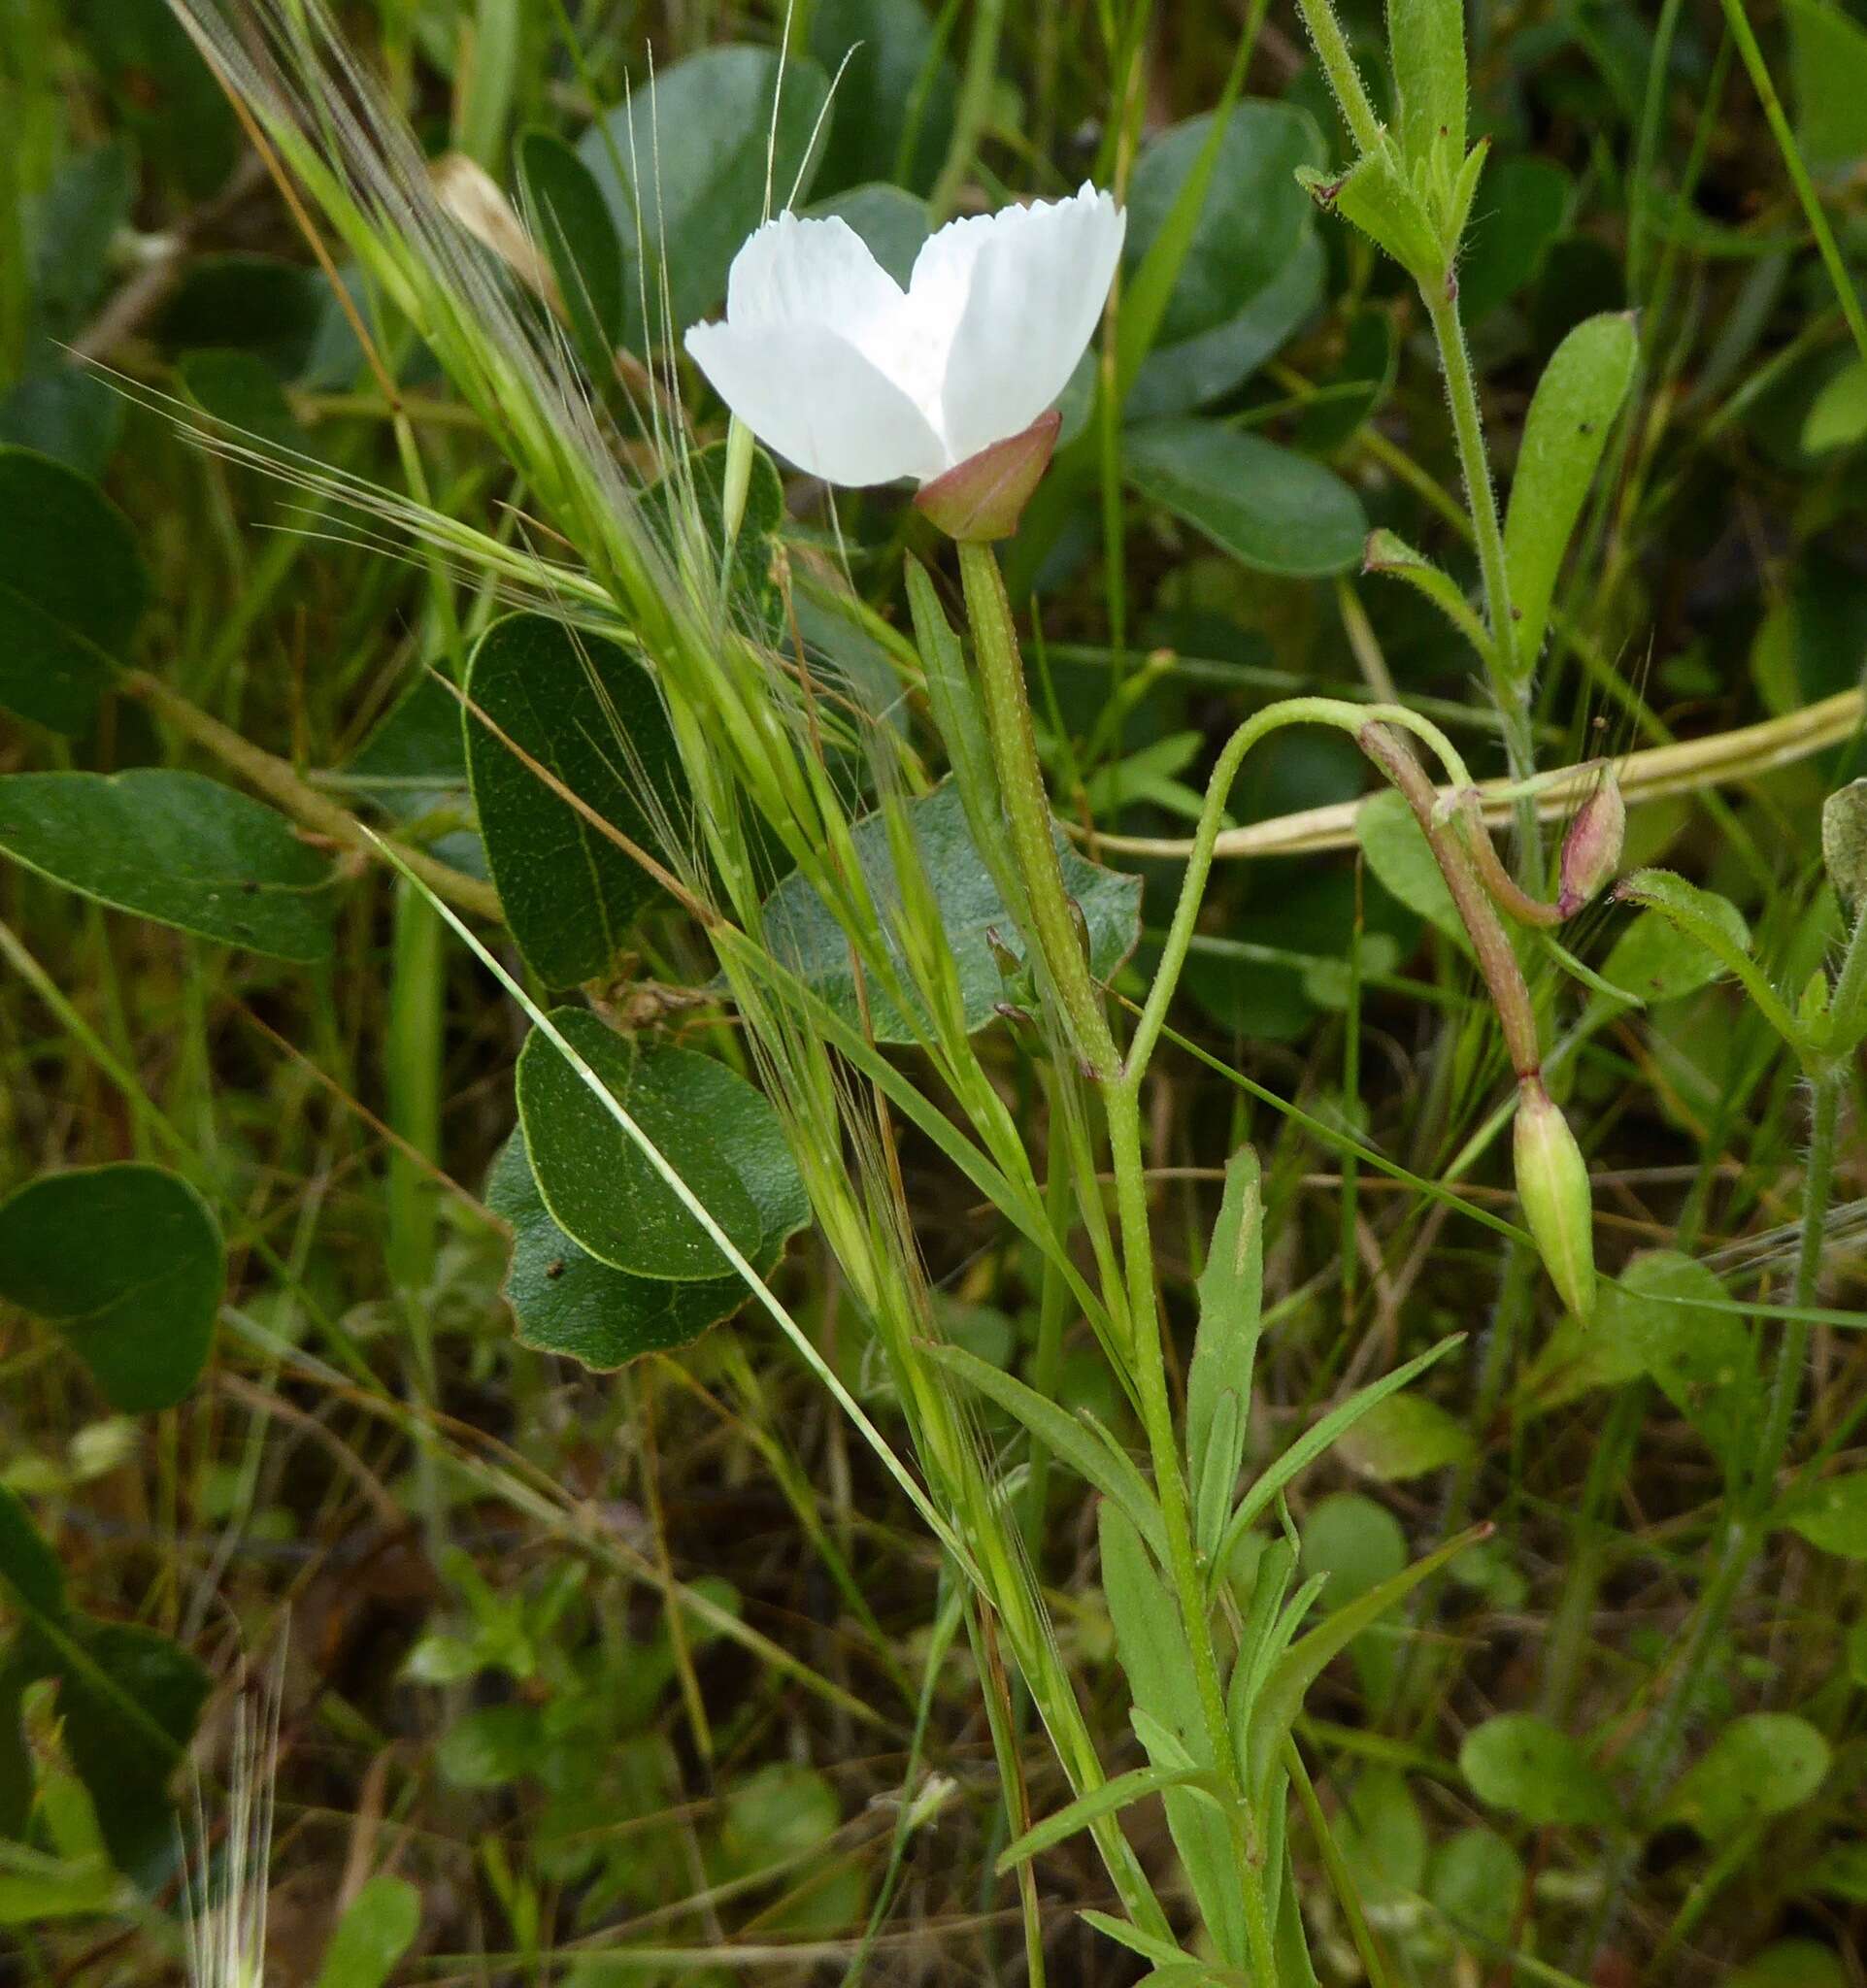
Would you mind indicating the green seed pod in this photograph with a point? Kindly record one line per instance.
(1552, 1188)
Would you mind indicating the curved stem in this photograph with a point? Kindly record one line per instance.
(1290, 710)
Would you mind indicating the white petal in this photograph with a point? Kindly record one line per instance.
(1031, 282)
(815, 399)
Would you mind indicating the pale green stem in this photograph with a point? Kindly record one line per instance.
(1344, 79)
(1057, 924)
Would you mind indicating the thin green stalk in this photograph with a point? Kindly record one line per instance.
(1510, 678)
(1344, 79)
(1844, 292)
(976, 85)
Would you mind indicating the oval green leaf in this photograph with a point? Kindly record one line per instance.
(127, 1262)
(1525, 1765)
(801, 932)
(1574, 406)
(176, 848)
(593, 718)
(72, 590)
(597, 1182)
(1763, 1763)
(1271, 508)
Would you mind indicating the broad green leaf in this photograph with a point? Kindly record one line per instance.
(1831, 1514)
(684, 167)
(492, 1748)
(1427, 42)
(239, 393)
(1760, 1765)
(1231, 1291)
(414, 767)
(1091, 1456)
(804, 935)
(72, 590)
(1527, 1766)
(1403, 860)
(896, 93)
(127, 1264)
(1654, 960)
(572, 223)
(1524, 205)
(1571, 413)
(1250, 270)
(709, 1124)
(1791, 1964)
(1670, 1311)
(262, 305)
(1708, 919)
(376, 1931)
(161, 91)
(565, 1301)
(1405, 1436)
(592, 717)
(1828, 82)
(893, 224)
(178, 847)
(1476, 1879)
(65, 412)
(31, 1578)
(1358, 384)
(1271, 508)
(1836, 416)
(1382, 1836)
(1355, 1543)
(129, 1710)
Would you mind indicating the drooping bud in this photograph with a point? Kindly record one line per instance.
(1552, 1188)
(1592, 849)
(983, 497)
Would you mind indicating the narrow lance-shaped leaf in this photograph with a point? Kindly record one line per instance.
(1427, 42)
(1230, 1304)
(1575, 405)
(1095, 1460)
(1108, 1799)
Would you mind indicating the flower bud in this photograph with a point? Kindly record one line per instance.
(1552, 1188)
(1592, 849)
(985, 496)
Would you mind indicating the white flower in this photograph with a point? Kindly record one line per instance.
(830, 362)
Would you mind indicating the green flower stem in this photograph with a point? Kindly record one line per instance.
(1344, 79)
(1056, 923)
(1510, 678)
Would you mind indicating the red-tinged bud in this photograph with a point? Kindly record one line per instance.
(983, 497)
(1552, 1189)
(1592, 849)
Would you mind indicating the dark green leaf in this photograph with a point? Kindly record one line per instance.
(592, 717)
(30, 1576)
(1520, 212)
(66, 412)
(1251, 271)
(895, 92)
(1370, 359)
(161, 91)
(1269, 507)
(1528, 1767)
(127, 1262)
(73, 230)
(698, 139)
(802, 932)
(72, 590)
(595, 1179)
(566, 1301)
(258, 304)
(572, 223)
(129, 1708)
(176, 848)
(240, 395)
(414, 767)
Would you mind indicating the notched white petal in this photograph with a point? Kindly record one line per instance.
(819, 401)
